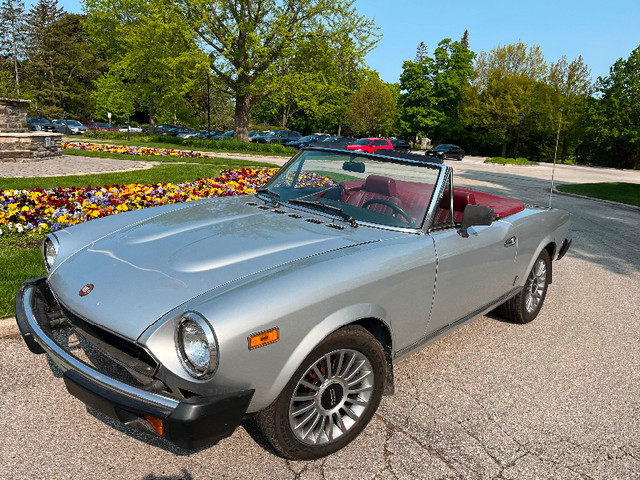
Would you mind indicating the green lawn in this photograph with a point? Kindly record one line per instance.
(628, 193)
(509, 161)
(20, 259)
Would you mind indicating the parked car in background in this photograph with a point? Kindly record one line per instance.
(174, 132)
(446, 151)
(160, 129)
(130, 128)
(400, 145)
(105, 127)
(370, 145)
(277, 136)
(223, 136)
(69, 126)
(339, 139)
(205, 135)
(362, 260)
(305, 141)
(37, 124)
(188, 134)
(257, 133)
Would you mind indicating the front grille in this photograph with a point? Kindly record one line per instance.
(121, 351)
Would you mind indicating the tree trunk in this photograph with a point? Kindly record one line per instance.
(243, 108)
(152, 116)
(504, 149)
(15, 60)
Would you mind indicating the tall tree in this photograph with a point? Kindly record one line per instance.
(154, 62)
(12, 36)
(431, 90)
(465, 39)
(372, 110)
(252, 40)
(61, 72)
(505, 83)
(612, 123)
(313, 87)
(572, 84)
(40, 65)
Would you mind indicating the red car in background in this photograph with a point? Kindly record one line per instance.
(370, 145)
(102, 126)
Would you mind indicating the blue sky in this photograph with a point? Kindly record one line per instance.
(600, 31)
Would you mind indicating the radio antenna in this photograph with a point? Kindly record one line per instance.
(555, 156)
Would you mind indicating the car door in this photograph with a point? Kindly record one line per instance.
(473, 272)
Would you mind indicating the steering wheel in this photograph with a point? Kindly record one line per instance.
(396, 209)
(324, 192)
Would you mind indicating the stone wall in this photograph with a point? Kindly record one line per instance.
(29, 147)
(13, 115)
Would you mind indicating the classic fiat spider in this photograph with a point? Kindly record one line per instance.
(292, 304)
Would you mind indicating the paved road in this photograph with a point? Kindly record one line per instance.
(557, 398)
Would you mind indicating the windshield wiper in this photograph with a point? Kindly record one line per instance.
(273, 195)
(326, 208)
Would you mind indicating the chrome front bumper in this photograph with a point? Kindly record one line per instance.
(193, 423)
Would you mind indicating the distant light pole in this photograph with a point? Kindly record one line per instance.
(208, 106)
(520, 118)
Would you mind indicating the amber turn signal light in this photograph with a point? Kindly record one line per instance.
(263, 338)
(156, 423)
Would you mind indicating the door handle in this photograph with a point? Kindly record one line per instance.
(510, 242)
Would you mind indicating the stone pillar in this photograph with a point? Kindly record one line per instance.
(13, 115)
(17, 144)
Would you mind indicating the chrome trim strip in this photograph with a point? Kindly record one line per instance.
(62, 358)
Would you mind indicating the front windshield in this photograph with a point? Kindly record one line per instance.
(367, 189)
(442, 147)
(363, 141)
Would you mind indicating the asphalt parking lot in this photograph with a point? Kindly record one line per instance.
(558, 398)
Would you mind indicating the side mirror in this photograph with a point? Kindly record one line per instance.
(475, 215)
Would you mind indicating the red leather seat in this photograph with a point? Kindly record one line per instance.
(461, 198)
(376, 187)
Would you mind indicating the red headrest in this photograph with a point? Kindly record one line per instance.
(382, 185)
(461, 198)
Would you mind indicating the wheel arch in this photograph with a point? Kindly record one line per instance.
(551, 249)
(366, 315)
(382, 333)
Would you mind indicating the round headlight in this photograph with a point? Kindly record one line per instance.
(49, 251)
(197, 346)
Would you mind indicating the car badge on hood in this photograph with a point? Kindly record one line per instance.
(86, 290)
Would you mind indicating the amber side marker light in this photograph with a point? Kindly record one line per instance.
(156, 423)
(263, 338)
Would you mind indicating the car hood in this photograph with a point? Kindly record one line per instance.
(143, 271)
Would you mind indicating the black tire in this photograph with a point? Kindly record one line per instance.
(341, 405)
(526, 305)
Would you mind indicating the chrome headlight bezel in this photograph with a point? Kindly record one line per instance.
(196, 325)
(50, 246)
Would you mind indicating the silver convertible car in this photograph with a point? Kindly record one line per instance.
(291, 305)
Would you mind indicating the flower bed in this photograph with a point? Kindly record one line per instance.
(42, 210)
(140, 151)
